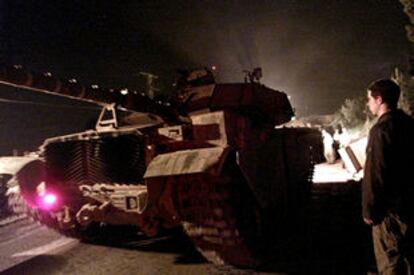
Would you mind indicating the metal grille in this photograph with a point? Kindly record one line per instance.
(104, 159)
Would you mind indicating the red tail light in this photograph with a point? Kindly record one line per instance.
(47, 200)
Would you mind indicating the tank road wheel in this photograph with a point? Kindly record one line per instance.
(71, 229)
(64, 222)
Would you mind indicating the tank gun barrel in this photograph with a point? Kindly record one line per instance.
(19, 77)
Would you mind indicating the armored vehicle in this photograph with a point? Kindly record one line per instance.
(212, 161)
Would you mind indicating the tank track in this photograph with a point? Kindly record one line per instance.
(223, 218)
(219, 217)
(226, 226)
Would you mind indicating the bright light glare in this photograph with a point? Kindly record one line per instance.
(50, 199)
(47, 200)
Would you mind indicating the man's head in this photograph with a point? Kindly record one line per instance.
(383, 96)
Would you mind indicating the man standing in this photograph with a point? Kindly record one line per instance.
(387, 190)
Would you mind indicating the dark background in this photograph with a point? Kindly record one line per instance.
(319, 52)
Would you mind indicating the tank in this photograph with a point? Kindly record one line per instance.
(215, 161)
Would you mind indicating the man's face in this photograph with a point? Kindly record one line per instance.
(373, 103)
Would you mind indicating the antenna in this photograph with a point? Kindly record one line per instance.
(150, 83)
(253, 76)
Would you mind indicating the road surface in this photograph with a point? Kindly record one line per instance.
(29, 248)
(333, 242)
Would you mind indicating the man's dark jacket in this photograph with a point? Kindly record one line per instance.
(388, 185)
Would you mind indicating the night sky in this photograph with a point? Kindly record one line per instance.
(318, 52)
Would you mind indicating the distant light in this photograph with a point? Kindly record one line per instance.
(73, 80)
(213, 67)
(124, 91)
(94, 86)
(49, 74)
(18, 66)
(293, 118)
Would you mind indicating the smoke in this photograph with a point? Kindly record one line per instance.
(318, 53)
(318, 60)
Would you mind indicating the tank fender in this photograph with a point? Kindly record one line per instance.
(163, 170)
(187, 162)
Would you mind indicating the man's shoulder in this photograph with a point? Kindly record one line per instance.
(380, 126)
(394, 119)
(395, 123)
